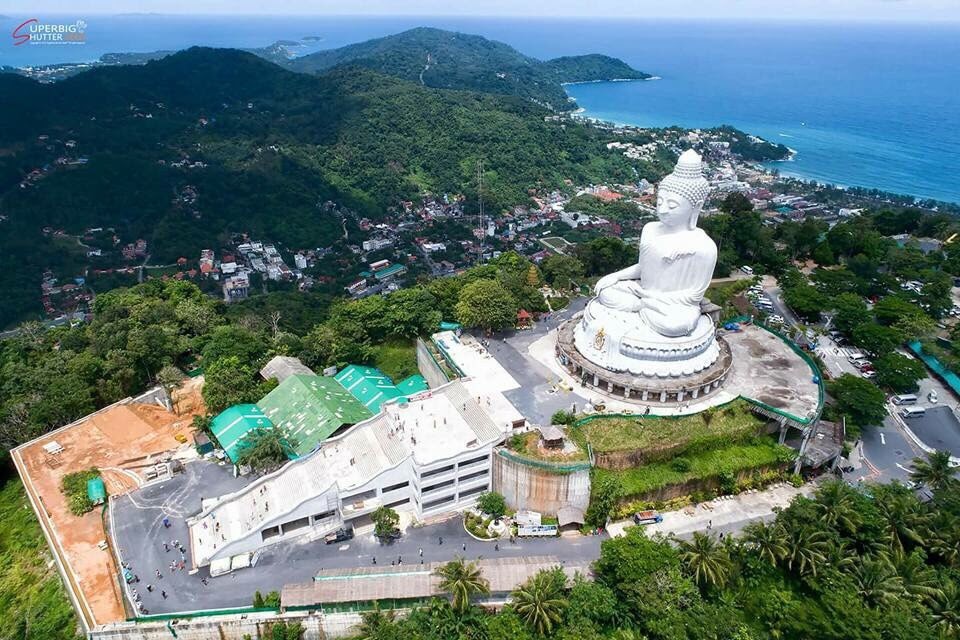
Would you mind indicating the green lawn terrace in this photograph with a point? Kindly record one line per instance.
(724, 448)
(534, 446)
(649, 438)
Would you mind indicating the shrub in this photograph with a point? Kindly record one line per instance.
(492, 503)
(516, 442)
(385, 521)
(74, 487)
(562, 417)
(680, 464)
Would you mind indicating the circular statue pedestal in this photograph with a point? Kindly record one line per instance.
(638, 388)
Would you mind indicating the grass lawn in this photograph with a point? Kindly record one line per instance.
(731, 423)
(528, 445)
(708, 464)
(396, 358)
(33, 603)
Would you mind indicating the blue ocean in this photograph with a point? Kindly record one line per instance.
(865, 104)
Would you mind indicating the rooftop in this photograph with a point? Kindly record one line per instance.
(233, 425)
(372, 387)
(431, 426)
(311, 408)
(282, 367)
(417, 581)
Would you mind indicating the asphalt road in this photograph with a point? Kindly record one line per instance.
(140, 534)
(536, 398)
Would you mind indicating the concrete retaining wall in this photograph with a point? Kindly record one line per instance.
(428, 367)
(529, 487)
(232, 627)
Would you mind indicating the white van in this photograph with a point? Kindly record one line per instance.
(855, 356)
(747, 270)
(906, 398)
(912, 412)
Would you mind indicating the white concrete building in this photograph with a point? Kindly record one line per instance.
(428, 456)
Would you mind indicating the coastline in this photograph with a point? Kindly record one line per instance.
(564, 84)
(583, 114)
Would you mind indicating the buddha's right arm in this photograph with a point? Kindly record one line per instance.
(629, 273)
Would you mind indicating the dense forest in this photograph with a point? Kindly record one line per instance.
(449, 60)
(866, 563)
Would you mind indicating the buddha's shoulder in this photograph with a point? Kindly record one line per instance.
(703, 239)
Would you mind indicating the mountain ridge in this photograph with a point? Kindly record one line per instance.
(452, 60)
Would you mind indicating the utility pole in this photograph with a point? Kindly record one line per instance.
(483, 231)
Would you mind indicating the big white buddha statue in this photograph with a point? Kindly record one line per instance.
(646, 319)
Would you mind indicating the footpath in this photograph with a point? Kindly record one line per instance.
(727, 514)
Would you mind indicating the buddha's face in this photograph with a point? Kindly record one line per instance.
(673, 210)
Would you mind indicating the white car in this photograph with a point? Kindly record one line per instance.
(775, 320)
(932, 396)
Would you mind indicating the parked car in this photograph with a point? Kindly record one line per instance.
(869, 374)
(647, 517)
(341, 534)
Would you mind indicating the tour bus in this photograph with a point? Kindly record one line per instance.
(912, 412)
(906, 398)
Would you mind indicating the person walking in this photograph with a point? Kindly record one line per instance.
(159, 575)
(374, 559)
(164, 594)
(421, 552)
(150, 588)
(441, 539)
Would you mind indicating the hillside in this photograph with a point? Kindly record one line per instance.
(272, 143)
(592, 67)
(449, 60)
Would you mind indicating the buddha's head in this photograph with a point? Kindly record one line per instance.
(682, 194)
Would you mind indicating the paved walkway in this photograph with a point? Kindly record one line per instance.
(729, 514)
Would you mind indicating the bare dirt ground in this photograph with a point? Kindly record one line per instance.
(120, 440)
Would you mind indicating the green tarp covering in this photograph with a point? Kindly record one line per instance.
(310, 408)
(96, 491)
(232, 425)
(371, 387)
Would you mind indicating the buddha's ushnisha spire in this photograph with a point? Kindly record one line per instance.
(687, 179)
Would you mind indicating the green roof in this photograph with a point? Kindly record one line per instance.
(233, 425)
(372, 387)
(310, 408)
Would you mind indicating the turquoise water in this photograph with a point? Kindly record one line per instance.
(874, 105)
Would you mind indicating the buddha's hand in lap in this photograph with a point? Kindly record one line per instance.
(605, 282)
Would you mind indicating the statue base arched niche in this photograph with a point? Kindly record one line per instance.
(647, 319)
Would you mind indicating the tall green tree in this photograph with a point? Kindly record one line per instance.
(706, 559)
(462, 580)
(486, 304)
(540, 601)
(936, 471)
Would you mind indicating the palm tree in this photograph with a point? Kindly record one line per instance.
(539, 601)
(944, 539)
(462, 580)
(946, 611)
(935, 471)
(903, 519)
(706, 559)
(371, 622)
(836, 503)
(842, 556)
(919, 580)
(806, 549)
(769, 540)
(877, 581)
